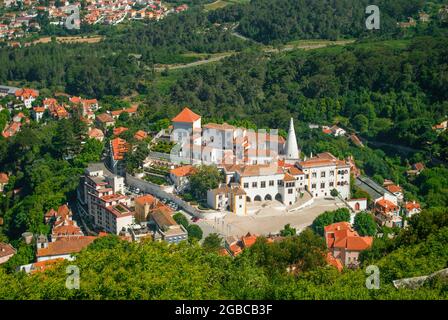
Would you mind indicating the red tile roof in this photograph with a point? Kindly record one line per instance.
(6, 250)
(119, 130)
(75, 100)
(27, 93)
(288, 177)
(235, 249)
(386, 205)
(332, 261)
(295, 171)
(4, 178)
(419, 166)
(45, 265)
(104, 117)
(65, 246)
(183, 171)
(412, 205)
(140, 135)
(186, 115)
(248, 240)
(341, 235)
(96, 133)
(146, 199)
(119, 148)
(39, 109)
(394, 189)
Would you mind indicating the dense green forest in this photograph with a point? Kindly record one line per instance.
(286, 20)
(46, 163)
(117, 65)
(114, 269)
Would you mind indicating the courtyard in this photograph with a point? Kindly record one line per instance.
(270, 218)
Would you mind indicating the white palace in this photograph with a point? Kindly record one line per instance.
(258, 166)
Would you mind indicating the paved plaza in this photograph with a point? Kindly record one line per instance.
(271, 218)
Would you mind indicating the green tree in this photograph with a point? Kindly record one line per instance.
(288, 231)
(212, 242)
(329, 217)
(334, 193)
(365, 224)
(361, 123)
(194, 232)
(204, 179)
(181, 219)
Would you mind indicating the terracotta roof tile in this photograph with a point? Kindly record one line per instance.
(183, 171)
(186, 115)
(65, 246)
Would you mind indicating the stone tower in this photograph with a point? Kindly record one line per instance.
(292, 150)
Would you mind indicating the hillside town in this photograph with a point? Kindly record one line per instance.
(23, 18)
(264, 176)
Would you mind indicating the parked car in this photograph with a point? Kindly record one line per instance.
(195, 219)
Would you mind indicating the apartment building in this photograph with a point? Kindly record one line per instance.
(101, 198)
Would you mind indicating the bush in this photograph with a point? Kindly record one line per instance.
(181, 219)
(194, 232)
(329, 217)
(364, 224)
(212, 242)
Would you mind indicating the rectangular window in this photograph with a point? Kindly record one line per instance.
(314, 175)
(331, 173)
(246, 185)
(313, 186)
(290, 191)
(322, 185)
(322, 174)
(331, 184)
(254, 184)
(271, 183)
(263, 184)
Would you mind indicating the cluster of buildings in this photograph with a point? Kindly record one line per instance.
(115, 11)
(52, 107)
(26, 98)
(17, 22)
(389, 205)
(66, 239)
(104, 204)
(423, 17)
(257, 166)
